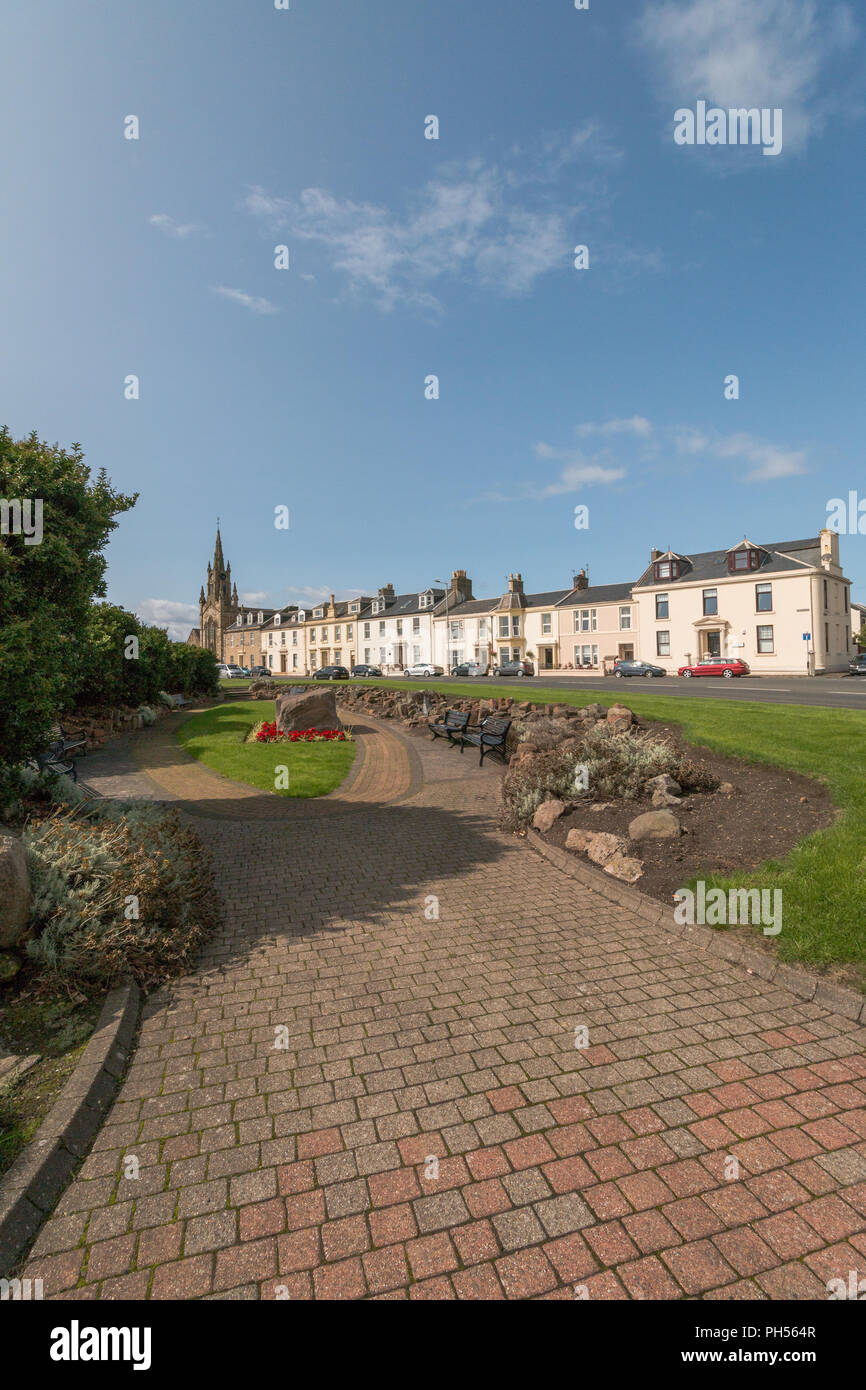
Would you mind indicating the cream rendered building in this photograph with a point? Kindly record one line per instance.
(784, 608)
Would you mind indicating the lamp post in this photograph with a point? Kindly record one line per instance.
(447, 662)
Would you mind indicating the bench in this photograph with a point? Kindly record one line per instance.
(451, 727)
(69, 743)
(179, 701)
(488, 737)
(54, 760)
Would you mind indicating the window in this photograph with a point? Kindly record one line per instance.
(318, 612)
(743, 559)
(416, 655)
(765, 639)
(482, 629)
(845, 599)
(586, 620)
(231, 641)
(625, 619)
(271, 660)
(337, 656)
(545, 625)
(381, 629)
(826, 597)
(503, 627)
(711, 602)
(250, 616)
(662, 606)
(667, 569)
(663, 644)
(324, 634)
(515, 626)
(826, 637)
(294, 639)
(504, 654)
(349, 631)
(399, 627)
(277, 620)
(282, 639)
(366, 656)
(312, 634)
(457, 631)
(416, 625)
(337, 632)
(381, 656)
(270, 639)
(294, 661)
(763, 598)
(312, 661)
(366, 629)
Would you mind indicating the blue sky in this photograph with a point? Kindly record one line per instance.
(409, 257)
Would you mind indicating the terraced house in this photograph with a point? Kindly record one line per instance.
(396, 630)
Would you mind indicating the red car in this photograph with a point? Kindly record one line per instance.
(716, 666)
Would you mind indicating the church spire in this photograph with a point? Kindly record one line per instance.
(218, 561)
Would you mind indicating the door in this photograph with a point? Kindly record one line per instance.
(283, 666)
(548, 658)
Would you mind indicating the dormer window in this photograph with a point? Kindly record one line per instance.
(667, 569)
(355, 607)
(249, 617)
(277, 619)
(743, 559)
(302, 617)
(318, 612)
(422, 600)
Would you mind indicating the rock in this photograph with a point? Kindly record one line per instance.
(263, 690)
(665, 783)
(602, 805)
(661, 798)
(316, 708)
(654, 825)
(15, 894)
(603, 846)
(617, 713)
(578, 838)
(547, 813)
(727, 787)
(9, 966)
(621, 866)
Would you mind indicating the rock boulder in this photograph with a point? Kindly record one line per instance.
(314, 708)
(14, 889)
(654, 825)
(547, 813)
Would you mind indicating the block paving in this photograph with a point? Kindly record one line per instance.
(370, 1087)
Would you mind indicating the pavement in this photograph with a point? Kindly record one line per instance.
(417, 1061)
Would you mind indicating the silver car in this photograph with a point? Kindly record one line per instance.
(422, 670)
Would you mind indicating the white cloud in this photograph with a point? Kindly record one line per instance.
(168, 225)
(254, 303)
(177, 618)
(635, 424)
(765, 53)
(501, 227)
(768, 461)
(577, 471)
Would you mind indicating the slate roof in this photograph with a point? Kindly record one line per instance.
(596, 593)
(401, 604)
(779, 558)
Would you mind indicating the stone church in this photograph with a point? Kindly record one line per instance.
(218, 608)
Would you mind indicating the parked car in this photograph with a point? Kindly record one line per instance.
(260, 671)
(514, 668)
(227, 672)
(366, 671)
(716, 666)
(857, 665)
(422, 670)
(637, 668)
(331, 673)
(469, 668)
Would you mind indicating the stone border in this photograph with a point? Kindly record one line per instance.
(807, 984)
(30, 1190)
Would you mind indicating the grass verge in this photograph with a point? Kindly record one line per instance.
(216, 737)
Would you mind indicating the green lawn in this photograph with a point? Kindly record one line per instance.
(217, 736)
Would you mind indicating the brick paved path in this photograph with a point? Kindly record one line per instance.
(309, 1171)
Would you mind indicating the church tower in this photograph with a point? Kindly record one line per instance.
(218, 606)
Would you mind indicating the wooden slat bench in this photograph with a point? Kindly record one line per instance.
(488, 737)
(451, 727)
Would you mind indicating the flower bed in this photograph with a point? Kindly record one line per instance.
(267, 732)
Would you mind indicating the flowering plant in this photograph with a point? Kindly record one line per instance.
(269, 733)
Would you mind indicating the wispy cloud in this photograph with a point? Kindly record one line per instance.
(255, 303)
(767, 461)
(635, 424)
(748, 53)
(167, 224)
(177, 618)
(577, 471)
(499, 226)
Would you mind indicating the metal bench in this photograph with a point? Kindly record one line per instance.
(451, 727)
(71, 743)
(488, 737)
(54, 760)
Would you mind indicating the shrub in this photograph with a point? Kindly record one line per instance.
(546, 732)
(118, 890)
(147, 715)
(530, 782)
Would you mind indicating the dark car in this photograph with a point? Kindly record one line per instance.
(331, 673)
(259, 671)
(514, 668)
(366, 671)
(469, 668)
(716, 666)
(637, 668)
(857, 665)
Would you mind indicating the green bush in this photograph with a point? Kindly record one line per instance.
(119, 890)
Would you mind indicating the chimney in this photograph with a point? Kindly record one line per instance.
(655, 555)
(829, 541)
(461, 587)
(515, 584)
(581, 581)
(387, 591)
